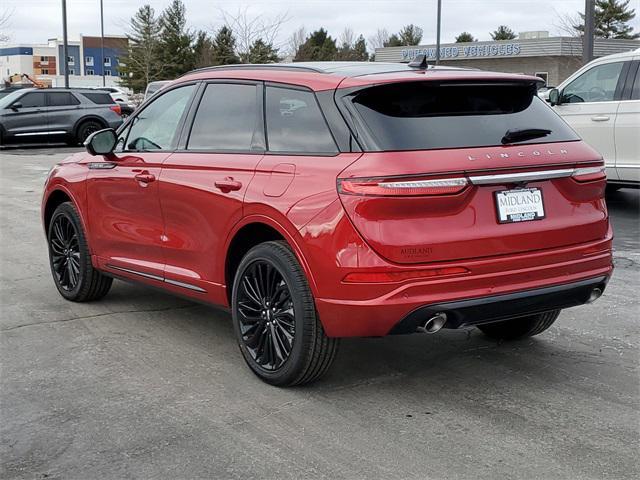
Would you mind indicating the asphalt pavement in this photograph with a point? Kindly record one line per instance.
(146, 385)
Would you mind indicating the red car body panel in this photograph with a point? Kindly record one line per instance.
(179, 228)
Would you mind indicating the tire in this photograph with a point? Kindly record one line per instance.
(520, 327)
(70, 260)
(273, 311)
(85, 129)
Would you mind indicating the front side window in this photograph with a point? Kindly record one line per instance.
(155, 127)
(598, 84)
(32, 100)
(59, 99)
(227, 119)
(295, 123)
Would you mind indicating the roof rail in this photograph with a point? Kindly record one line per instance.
(253, 66)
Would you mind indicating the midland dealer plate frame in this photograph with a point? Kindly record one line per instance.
(497, 194)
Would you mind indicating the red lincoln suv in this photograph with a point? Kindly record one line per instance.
(328, 200)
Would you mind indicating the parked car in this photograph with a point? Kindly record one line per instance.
(118, 94)
(56, 114)
(154, 87)
(328, 200)
(601, 101)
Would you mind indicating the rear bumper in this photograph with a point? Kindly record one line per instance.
(495, 289)
(477, 311)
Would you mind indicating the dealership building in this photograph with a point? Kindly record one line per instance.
(535, 53)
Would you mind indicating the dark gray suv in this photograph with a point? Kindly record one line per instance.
(32, 115)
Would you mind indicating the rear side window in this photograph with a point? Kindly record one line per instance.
(295, 123)
(60, 99)
(101, 98)
(227, 119)
(428, 115)
(32, 100)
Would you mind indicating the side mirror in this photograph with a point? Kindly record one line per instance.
(101, 142)
(554, 96)
(16, 106)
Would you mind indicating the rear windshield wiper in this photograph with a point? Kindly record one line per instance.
(522, 134)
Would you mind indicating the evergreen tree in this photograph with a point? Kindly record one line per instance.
(503, 33)
(261, 52)
(611, 20)
(465, 37)
(410, 35)
(319, 46)
(360, 50)
(177, 40)
(143, 61)
(393, 41)
(224, 48)
(203, 50)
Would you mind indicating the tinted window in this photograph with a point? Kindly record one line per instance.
(155, 127)
(635, 93)
(295, 122)
(598, 84)
(425, 115)
(58, 99)
(100, 98)
(33, 99)
(227, 119)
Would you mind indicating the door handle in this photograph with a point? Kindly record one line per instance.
(600, 118)
(228, 185)
(145, 177)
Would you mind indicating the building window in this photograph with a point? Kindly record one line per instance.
(122, 74)
(45, 71)
(44, 60)
(88, 61)
(107, 73)
(90, 71)
(72, 71)
(543, 75)
(71, 60)
(107, 61)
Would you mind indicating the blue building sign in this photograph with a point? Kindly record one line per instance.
(468, 51)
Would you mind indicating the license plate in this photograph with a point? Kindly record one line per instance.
(520, 205)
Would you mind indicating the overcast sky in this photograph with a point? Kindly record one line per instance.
(34, 21)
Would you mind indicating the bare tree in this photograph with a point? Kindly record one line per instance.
(248, 28)
(567, 23)
(5, 17)
(378, 40)
(296, 39)
(347, 38)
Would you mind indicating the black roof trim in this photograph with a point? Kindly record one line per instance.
(256, 66)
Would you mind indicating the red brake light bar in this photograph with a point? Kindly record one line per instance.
(402, 187)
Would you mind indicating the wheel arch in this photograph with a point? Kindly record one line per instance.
(86, 118)
(55, 197)
(251, 232)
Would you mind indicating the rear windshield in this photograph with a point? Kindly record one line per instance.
(429, 115)
(101, 98)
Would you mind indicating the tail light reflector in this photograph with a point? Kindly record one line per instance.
(589, 174)
(390, 277)
(401, 187)
(116, 108)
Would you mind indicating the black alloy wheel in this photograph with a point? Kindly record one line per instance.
(65, 253)
(266, 315)
(274, 318)
(73, 273)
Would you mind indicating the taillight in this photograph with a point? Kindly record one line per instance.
(401, 187)
(390, 277)
(589, 174)
(116, 108)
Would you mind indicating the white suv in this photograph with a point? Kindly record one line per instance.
(601, 101)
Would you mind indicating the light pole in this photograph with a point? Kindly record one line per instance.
(102, 42)
(438, 32)
(587, 40)
(65, 44)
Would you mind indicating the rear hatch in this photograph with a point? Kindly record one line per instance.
(458, 170)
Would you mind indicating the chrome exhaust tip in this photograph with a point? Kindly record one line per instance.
(433, 324)
(595, 294)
